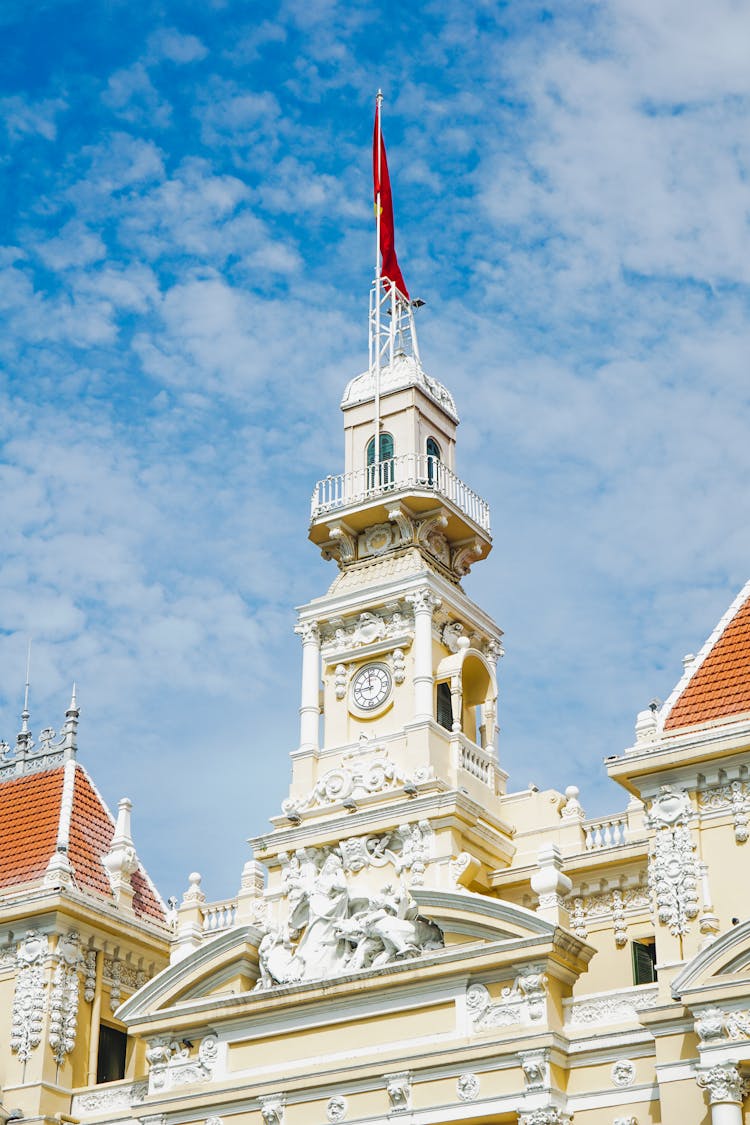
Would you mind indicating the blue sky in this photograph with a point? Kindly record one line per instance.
(185, 253)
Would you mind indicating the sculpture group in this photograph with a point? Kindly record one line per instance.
(330, 932)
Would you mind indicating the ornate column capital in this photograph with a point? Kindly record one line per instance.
(723, 1082)
(424, 601)
(309, 632)
(549, 1116)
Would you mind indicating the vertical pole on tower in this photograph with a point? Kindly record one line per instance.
(379, 150)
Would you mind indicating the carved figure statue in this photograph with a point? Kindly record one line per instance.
(317, 911)
(336, 933)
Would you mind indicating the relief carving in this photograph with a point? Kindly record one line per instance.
(467, 1087)
(673, 870)
(522, 1004)
(361, 774)
(63, 1002)
(735, 796)
(28, 999)
(171, 1064)
(723, 1083)
(398, 1088)
(330, 931)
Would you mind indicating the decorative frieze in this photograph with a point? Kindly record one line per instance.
(733, 797)
(522, 1004)
(673, 869)
(549, 1116)
(604, 1008)
(613, 905)
(171, 1064)
(714, 1024)
(114, 1099)
(362, 773)
(27, 1018)
(407, 849)
(341, 635)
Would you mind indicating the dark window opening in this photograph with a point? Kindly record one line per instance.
(382, 473)
(444, 706)
(433, 457)
(644, 961)
(110, 1063)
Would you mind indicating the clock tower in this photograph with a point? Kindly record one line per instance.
(398, 710)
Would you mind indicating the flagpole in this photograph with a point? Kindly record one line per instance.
(379, 105)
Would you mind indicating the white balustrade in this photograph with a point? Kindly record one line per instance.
(412, 470)
(218, 916)
(475, 761)
(607, 832)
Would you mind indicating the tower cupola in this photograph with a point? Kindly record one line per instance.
(399, 488)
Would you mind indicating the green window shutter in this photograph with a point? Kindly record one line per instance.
(644, 962)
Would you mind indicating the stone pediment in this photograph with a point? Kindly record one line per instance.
(211, 971)
(224, 975)
(723, 964)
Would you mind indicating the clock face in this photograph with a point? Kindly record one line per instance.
(371, 687)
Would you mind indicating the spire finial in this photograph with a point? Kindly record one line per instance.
(23, 739)
(25, 712)
(70, 729)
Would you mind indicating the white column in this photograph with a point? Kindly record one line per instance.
(726, 1088)
(425, 603)
(309, 711)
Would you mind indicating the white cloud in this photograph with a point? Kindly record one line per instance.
(133, 97)
(23, 117)
(170, 44)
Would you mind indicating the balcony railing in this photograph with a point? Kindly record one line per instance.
(411, 470)
(607, 832)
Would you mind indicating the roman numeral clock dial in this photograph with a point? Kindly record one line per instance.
(371, 687)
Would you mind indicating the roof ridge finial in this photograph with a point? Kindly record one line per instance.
(23, 741)
(70, 730)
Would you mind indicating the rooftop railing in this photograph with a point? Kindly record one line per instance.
(411, 470)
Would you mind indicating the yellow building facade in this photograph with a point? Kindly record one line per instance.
(411, 941)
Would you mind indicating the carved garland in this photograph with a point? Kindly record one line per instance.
(673, 870)
(615, 904)
(28, 999)
(63, 1004)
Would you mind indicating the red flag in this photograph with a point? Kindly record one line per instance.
(382, 184)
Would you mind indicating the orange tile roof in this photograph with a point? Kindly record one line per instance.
(29, 818)
(29, 815)
(719, 688)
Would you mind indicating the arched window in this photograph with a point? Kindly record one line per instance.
(381, 474)
(433, 456)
